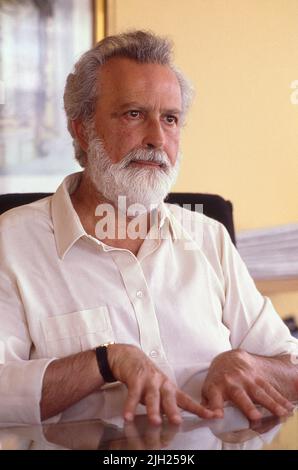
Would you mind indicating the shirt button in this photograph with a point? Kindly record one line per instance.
(139, 294)
(153, 353)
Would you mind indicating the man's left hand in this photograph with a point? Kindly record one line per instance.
(247, 380)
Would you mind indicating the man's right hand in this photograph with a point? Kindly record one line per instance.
(78, 376)
(148, 385)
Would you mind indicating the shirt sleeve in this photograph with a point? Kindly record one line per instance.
(254, 324)
(20, 378)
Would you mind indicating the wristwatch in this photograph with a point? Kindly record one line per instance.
(103, 363)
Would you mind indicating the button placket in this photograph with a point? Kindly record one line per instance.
(137, 289)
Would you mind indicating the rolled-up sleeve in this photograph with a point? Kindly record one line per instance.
(20, 378)
(251, 318)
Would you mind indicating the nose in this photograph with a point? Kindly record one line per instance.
(154, 136)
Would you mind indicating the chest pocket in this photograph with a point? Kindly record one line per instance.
(77, 331)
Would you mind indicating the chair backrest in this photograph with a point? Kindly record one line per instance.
(213, 206)
(9, 201)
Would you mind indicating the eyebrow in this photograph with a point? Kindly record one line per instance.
(136, 105)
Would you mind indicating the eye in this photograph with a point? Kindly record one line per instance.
(171, 119)
(133, 113)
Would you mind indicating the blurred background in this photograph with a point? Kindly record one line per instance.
(241, 138)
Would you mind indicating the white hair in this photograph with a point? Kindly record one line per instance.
(145, 186)
(81, 89)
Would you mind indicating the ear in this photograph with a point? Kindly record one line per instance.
(80, 133)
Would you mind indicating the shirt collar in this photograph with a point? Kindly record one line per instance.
(166, 222)
(180, 225)
(67, 225)
(162, 223)
(183, 226)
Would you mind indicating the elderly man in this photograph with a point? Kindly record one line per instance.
(105, 261)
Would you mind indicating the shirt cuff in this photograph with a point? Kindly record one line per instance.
(20, 390)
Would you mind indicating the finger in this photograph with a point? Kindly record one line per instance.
(215, 399)
(241, 399)
(132, 400)
(188, 404)
(169, 403)
(276, 395)
(152, 437)
(168, 432)
(152, 402)
(260, 396)
(204, 401)
(114, 445)
(131, 430)
(133, 439)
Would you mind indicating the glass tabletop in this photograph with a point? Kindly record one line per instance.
(233, 432)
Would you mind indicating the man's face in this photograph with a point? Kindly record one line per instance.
(139, 106)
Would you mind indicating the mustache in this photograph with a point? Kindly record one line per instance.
(148, 155)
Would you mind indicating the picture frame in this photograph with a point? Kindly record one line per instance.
(40, 42)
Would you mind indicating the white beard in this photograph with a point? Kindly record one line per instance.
(143, 186)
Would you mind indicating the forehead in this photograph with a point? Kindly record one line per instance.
(126, 79)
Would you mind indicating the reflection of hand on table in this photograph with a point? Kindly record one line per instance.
(268, 423)
(234, 431)
(140, 435)
(256, 429)
(80, 435)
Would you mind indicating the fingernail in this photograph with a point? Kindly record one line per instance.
(156, 419)
(214, 413)
(177, 419)
(255, 414)
(280, 410)
(218, 413)
(128, 416)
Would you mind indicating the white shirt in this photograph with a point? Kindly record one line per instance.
(184, 299)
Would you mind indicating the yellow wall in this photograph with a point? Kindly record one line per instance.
(286, 303)
(99, 20)
(241, 140)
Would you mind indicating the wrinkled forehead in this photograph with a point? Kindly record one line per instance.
(122, 78)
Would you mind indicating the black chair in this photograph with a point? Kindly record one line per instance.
(213, 206)
(9, 201)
